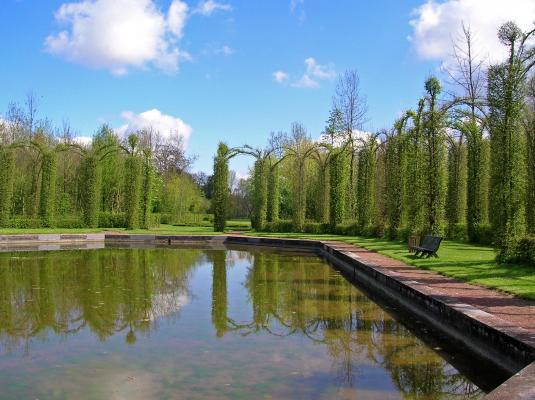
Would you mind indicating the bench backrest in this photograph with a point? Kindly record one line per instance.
(431, 242)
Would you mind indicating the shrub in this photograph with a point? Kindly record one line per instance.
(377, 231)
(186, 219)
(279, 226)
(111, 220)
(347, 229)
(457, 232)
(69, 222)
(24, 223)
(484, 234)
(525, 250)
(316, 228)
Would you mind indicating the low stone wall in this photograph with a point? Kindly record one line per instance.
(484, 334)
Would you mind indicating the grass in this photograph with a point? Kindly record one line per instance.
(241, 225)
(470, 263)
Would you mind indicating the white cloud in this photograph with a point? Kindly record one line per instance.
(295, 3)
(298, 7)
(166, 125)
(314, 73)
(280, 76)
(176, 18)
(225, 50)
(208, 7)
(83, 140)
(437, 24)
(119, 35)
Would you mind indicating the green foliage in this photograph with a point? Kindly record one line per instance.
(7, 165)
(318, 228)
(339, 176)
(530, 163)
(147, 193)
(273, 194)
(260, 194)
(47, 203)
(132, 190)
(90, 182)
(456, 189)
(477, 179)
(299, 209)
(24, 223)
(69, 222)
(221, 189)
(182, 201)
(283, 225)
(112, 219)
(395, 176)
(434, 155)
(525, 251)
(112, 169)
(505, 90)
(366, 183)
(457, 231)
(414, 194)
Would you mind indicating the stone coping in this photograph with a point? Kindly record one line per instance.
(484, 333)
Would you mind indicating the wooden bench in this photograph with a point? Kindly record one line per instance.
(428, 247)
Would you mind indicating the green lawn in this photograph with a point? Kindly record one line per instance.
(232, 225)
(467, 262)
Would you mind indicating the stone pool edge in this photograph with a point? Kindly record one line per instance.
(487, 335)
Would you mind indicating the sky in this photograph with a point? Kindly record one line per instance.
(231, 70)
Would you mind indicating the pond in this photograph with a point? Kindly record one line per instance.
(193, 323)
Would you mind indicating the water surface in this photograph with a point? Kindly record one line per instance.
(176, 323)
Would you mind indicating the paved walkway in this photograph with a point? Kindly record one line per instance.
(513, 311)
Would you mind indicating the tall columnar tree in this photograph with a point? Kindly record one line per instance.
(90, 182)
(367, 160)
(456, 190)
(434, 153)
(477, 196)
(323, 157)
(530, 139)
(273, 191)
(353, 106)
(339, 178)
(506, 88)
(415, 185)
(7, 166)
(132, 190)
(132, 182)
(299, 147)
(395, 177)
(47, 203)
(147, 191)
(260, 194)
(221, 189)
(469, 119)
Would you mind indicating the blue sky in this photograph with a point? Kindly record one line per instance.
(207, 67)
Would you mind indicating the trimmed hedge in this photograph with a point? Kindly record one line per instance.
(24, 223)
(190, 219)
(111, 220)
(525, 250)
(458, 232)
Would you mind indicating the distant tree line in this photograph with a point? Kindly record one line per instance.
(48, 178)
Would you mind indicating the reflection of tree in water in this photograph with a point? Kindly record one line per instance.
(294, 294)
(108, 291)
